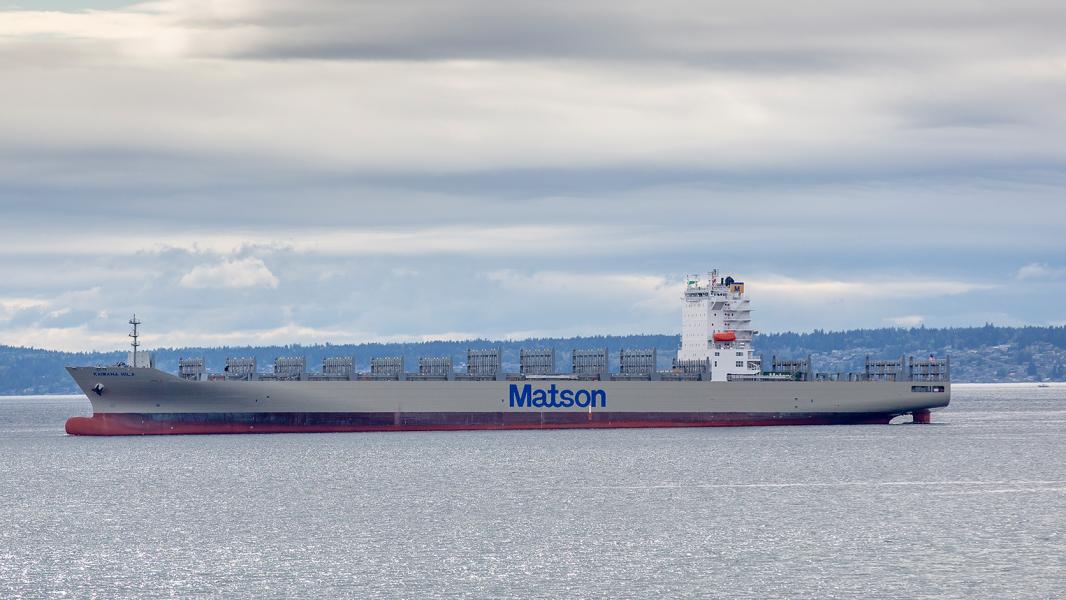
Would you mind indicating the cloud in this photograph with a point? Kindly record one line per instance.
(10, 306)
(821, 290)
(34, 317)
(749, 35)
(412, 240)
(643, 292)
(374, 299)
(237, 273)
(1040, 271)
(381, 158)
(83, 336)
(906, 320)
(193, 92)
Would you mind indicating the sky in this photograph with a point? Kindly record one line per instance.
(241, 172)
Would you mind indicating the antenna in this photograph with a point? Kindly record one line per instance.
(135, 323)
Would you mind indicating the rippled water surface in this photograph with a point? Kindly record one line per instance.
(971, 506)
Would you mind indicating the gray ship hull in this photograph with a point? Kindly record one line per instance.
(132, 401)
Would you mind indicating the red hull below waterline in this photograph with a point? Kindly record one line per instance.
(225, 423)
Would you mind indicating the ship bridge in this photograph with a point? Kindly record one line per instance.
(716, 328)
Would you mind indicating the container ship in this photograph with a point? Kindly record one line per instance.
(716, 379)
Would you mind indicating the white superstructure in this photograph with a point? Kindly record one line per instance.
(716, 327)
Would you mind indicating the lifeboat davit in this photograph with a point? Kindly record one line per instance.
(725, 336)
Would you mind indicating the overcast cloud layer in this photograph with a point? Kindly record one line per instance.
(245, 172)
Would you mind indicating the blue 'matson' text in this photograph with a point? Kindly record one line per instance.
(526, 396)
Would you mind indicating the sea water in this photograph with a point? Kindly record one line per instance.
(973, 505)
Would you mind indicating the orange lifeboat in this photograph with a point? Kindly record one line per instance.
(725, 336)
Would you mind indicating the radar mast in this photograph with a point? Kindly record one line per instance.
(134, 322)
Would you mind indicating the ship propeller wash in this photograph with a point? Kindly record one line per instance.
(716, 379)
